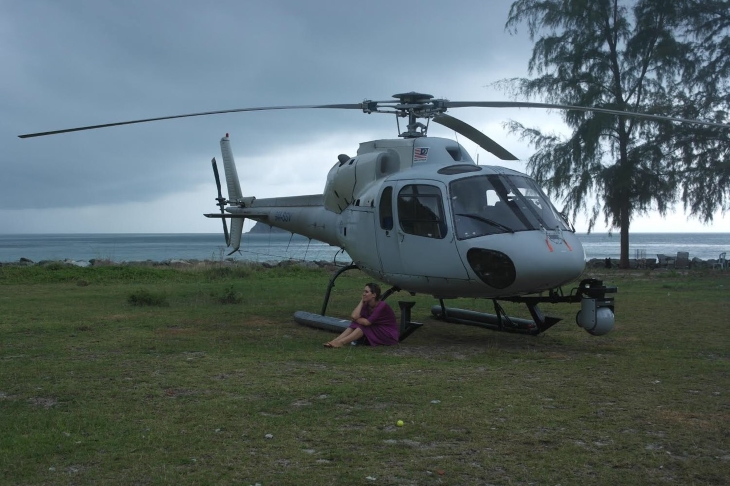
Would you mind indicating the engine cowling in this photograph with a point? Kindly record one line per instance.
(348, 178)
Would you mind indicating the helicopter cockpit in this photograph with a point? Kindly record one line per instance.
(500, 203)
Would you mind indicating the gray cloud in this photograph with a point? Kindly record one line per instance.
(87, 62)
(79, 62)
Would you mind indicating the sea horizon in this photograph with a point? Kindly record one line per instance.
(615, 233)
(278, 246)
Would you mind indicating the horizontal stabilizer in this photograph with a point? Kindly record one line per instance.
(226, 216)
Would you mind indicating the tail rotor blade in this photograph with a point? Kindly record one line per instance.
(221, 200)
(217, 179)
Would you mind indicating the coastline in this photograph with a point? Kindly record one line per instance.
(274, 247)
(171, 263)
(648, 264)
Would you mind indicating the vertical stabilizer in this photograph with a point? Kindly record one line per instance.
(236, 230)
(229, 165)
(234, 192)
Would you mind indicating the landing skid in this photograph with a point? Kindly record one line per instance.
(500, 321)
(321, 321)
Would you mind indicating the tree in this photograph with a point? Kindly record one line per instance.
(666, 57)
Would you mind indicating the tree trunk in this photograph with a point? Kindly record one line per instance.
(624, 185)
(625, 222)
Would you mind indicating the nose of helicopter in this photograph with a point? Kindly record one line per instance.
(526, 262)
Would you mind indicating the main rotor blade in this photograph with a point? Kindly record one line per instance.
(370, 106)
(528, 104)
(351, 106)
(474, 135)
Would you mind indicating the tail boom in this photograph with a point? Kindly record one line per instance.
(303, 215)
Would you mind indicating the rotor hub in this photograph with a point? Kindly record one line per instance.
(414, 106)
(413, 98)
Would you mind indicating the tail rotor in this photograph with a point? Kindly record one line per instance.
(235, 202)
(221, 200)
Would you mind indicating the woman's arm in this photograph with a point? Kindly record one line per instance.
(376, 313)
(357, 312)
(382, 314)
(357, 315)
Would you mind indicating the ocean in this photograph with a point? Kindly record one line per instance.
(277, 247)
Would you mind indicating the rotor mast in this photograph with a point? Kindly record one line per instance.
(411, 105)
(414, 106)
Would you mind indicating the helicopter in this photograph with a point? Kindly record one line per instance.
(418, 213)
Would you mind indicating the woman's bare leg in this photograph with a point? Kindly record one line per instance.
(344, 334)
(346, 338)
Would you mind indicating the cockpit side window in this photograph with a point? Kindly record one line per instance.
(421, 211)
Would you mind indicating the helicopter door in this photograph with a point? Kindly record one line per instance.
(386, 235)
(426, 243)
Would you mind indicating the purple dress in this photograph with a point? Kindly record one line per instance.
(383, 329)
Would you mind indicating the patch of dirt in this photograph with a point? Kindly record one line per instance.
(412, 443)
(176, 331)
(43, 402)
(180, 392)
(696, 420)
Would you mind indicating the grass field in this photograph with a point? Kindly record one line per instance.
(138, 375)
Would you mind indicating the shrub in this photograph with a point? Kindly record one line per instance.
(229, 296)
(145, 297)
(222, 273)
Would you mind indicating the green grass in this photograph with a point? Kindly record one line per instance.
(96, 390)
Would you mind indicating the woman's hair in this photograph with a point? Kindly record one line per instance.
(374, 288)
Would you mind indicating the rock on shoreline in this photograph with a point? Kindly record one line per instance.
(175, 263)
(648, 264)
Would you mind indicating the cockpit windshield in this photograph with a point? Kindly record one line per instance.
(492, 204)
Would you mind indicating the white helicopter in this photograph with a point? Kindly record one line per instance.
(418, 213)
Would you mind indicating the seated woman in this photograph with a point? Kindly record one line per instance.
(372, 319)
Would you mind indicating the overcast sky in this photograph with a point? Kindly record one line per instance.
(72, 63)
